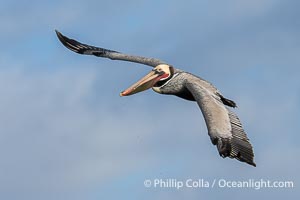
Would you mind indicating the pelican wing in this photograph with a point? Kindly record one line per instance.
(224, 127)
(105, 53)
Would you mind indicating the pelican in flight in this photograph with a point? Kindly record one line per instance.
(224, 127)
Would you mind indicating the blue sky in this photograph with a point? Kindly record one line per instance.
(66, 134)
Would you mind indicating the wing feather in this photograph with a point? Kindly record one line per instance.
(81, 48)
(224, 127)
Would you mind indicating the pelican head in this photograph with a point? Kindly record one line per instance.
(160, 74)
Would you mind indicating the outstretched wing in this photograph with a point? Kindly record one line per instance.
(224, 127)
(105, 53)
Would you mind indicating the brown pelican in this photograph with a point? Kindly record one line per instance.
(224, 127)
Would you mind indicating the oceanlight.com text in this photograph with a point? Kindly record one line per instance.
(256, 184)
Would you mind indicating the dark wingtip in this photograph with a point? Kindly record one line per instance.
(250, 162)
(63, 39)
(69, 43)
(246, 160)
(59, 35)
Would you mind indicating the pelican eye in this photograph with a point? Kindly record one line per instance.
(158, 71)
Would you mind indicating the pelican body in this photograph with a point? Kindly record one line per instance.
(224, 127)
